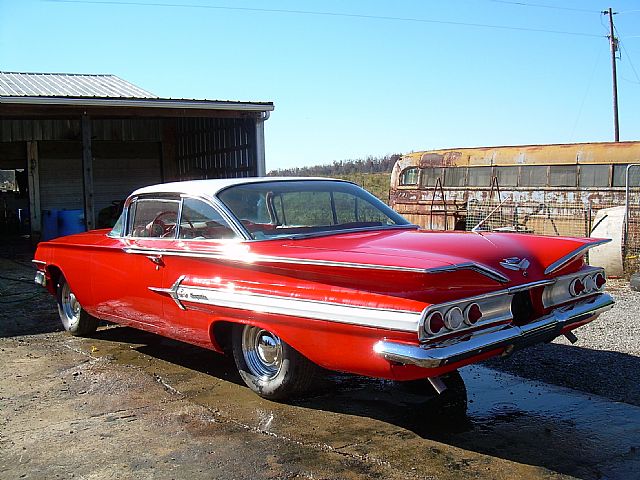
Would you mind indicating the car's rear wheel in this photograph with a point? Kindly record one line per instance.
(74, 319)
(270, 366)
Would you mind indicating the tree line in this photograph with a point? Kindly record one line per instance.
(369, 164)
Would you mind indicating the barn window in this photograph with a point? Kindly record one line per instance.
(409, 176)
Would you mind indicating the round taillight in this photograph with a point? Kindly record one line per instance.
(599, 280)
(589, 284)
(576, 288)
(472, 314)
(453, 318)
(434, 323)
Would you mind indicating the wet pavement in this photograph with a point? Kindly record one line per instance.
(128, 404)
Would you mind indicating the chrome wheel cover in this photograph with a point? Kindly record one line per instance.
(70, 308)
(262, 352)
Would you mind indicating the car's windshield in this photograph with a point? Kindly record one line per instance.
(306, 207)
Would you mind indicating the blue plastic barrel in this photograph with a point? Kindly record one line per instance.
(70, 221)
(49, 224)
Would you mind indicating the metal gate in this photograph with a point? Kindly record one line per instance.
(632, 223)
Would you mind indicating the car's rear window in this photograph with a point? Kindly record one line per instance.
(291, 208)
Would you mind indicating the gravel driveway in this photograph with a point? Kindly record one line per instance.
(605, 360)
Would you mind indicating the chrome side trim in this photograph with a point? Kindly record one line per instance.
(561, 262)
(477, 267)
(401, 320)
(38, 262)
(251, 258)
(455, 350)
(172, 291)
(528, 286)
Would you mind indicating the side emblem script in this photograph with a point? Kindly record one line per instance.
(514, 263)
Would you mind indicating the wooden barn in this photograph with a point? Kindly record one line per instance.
(71, 142)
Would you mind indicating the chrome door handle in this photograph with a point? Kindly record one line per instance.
(157, 259)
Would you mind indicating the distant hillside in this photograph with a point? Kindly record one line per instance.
(372, 173)
(341, 167)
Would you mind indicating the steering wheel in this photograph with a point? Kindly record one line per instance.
(161, 225)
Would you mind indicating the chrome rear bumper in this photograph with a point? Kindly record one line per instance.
(512, 337)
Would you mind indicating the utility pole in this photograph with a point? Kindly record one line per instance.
(613, 42)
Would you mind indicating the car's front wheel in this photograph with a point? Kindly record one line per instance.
(270, 366)
(74, 318)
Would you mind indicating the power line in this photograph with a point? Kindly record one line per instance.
(586, 93)
(538, 5)
(626, 52)
(630, 63)
(328, 14)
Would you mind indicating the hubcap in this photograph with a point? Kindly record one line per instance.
(262, 351)
(70, 307)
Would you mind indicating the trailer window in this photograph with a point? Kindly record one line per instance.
(593, 176)
(563, 175)
(430, 175)
(455, 177)
(619, 175)
(533, 176)
(409, 176)
(507, 176)
(479, 176)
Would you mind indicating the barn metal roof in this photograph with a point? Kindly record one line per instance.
(17, 84)
(100, 90)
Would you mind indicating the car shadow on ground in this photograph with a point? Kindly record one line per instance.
(510, 417)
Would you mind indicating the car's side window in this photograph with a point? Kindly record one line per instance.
(200, 221)
(154, 218)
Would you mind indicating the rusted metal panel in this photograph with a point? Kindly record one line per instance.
(621, 152)
(549, 189)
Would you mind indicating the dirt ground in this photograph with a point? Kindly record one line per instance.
(127, 404)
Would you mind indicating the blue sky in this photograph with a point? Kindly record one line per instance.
(347, 85)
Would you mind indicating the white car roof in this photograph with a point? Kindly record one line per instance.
(212, 187)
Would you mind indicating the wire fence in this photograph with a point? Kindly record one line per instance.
(558, 218)
(568, 219)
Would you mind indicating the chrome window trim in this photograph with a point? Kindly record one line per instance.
(179, 197)
(219, 207)
(374, 200)
(173, 197)
(561, 262)
(326, 233)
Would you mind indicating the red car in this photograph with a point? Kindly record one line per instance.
(290, 274)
